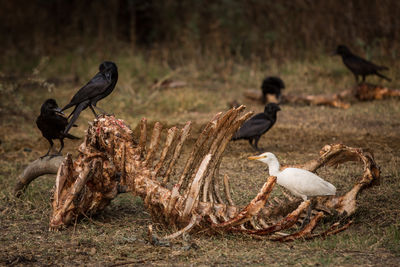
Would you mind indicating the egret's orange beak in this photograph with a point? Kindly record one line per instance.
(256, 157)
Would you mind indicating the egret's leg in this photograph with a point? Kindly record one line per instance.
(307, 218)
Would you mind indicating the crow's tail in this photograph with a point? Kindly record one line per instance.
(383, 76)
(69, 116)
(75, 116)
(383, 68)
(67, 106)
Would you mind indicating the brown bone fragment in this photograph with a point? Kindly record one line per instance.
(361, 92)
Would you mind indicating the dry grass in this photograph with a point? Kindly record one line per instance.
(118, 235)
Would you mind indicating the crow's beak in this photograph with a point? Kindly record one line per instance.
(58, 110)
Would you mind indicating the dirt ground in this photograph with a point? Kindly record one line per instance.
(118, 235)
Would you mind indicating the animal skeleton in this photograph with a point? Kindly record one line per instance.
(110, 161)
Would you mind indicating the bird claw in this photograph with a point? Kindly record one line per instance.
(105, 114)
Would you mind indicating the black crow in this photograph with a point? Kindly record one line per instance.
(52, 123)
(358, 65)
(257, 125)
(100, 86)
(272, 85)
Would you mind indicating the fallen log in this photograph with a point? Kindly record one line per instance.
(37, 168)
(361, 92)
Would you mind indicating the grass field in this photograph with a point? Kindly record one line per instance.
(118, 235)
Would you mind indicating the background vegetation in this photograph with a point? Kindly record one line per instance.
(230, 28)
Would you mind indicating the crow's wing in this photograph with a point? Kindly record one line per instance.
(40, 123)
(59, 121)
(273, 82)
(254, 127)
(96, 86)
(361, 65)
(51, 126)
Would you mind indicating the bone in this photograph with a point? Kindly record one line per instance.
(185, 132)
(193, 194)
(332, 230)
(104, 157)
(220, 144)
(76, 188)
(305, 232)
(62, 174)
(171, 204)
(218, 133)
(227, 190)
(254, 207)
(188, 169)
(170, 138)
(143, 137)
(193, 222)
(215, 182)
(155, 139)
(285, 223)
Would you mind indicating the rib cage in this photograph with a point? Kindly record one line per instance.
(110, 162)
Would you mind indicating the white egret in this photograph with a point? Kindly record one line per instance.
(299, 182)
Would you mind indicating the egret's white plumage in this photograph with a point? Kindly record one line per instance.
(300, 182)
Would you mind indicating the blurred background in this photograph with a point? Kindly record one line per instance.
(182, 30)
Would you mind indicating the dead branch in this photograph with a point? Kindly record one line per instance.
(367, 91)
(166, 81)
(37, 168)
(361, 92)
(333, 100)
